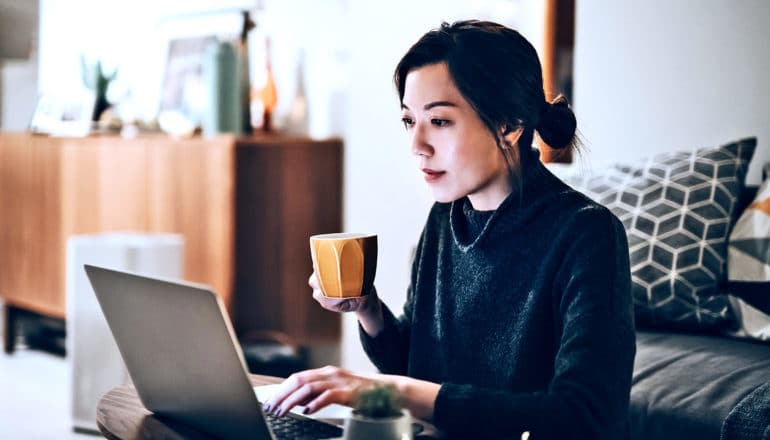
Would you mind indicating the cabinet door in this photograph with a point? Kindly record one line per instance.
(31, 266)
(191, 191)
(285, 193)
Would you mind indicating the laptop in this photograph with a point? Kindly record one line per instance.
(184, 360)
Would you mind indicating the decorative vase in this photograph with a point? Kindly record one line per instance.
(245, 75)
(297, 119)
(359, 427)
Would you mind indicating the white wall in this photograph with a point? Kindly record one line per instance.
(662, 75)
(130, 36)
(18, 94)
(137, 45)
(18, 63)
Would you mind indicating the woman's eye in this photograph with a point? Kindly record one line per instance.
(408, 122)
(439, 122)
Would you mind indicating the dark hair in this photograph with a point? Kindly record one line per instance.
(499, 74)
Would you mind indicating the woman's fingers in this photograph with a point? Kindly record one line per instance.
(295, 382)
(332, 304)
(335, 304)
(284, 390)
(338, 304)
(302, 395)
(316, 388)
(337, 395)
(313, 282)
(347, 305)
(319, 296)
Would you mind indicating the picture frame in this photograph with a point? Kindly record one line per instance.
(184, 38)
(183, 82)
(54, 116)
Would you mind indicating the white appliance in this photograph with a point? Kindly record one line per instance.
(93, 357)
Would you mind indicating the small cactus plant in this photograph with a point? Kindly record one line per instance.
(378, 401)
(95, 79)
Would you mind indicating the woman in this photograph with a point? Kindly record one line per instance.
(518, 316)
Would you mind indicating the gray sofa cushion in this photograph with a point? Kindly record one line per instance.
(684, 386)
(677, 209)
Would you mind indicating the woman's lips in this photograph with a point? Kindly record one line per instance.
(432, 175)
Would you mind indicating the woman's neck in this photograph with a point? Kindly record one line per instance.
(492, 194)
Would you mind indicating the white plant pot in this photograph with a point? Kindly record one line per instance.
(358, 427)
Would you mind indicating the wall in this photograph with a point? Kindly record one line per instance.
(18, 28)
(136, 44)
(18, 63)
(131, 37)
(659, 76)
(18, 94)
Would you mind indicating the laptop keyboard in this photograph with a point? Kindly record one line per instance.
(290, 428)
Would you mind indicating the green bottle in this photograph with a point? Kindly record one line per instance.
(221, 74)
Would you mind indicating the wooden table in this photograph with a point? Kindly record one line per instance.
(121, 415)
(245, 205)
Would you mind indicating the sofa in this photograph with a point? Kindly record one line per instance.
(689, 385)
(696, 375)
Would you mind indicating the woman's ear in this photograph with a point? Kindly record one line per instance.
(511, 136)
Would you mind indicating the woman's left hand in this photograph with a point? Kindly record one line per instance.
(316, 389)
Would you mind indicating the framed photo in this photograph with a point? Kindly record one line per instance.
(184, 88)
(57, 117)
(183, 93)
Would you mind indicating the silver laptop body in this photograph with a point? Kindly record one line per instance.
(181, 352)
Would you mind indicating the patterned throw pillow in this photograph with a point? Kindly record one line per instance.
(677, 209)
(749, 260)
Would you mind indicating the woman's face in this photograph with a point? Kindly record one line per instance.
(457, 154)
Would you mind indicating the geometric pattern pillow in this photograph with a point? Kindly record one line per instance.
(749, 259)
(677, 209)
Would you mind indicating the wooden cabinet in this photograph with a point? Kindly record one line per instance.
(246, 207)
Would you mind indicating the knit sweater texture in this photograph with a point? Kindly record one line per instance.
(523, 315)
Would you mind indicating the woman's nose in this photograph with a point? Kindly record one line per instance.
(420, 144)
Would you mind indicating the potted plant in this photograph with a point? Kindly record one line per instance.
(97, 81)
(378, 414)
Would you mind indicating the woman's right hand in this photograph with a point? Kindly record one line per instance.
(341, 305)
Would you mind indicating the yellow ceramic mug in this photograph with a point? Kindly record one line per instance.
(344, 263)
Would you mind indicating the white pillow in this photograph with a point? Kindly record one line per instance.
(748, 259)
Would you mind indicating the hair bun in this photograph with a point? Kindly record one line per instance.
(557, 123)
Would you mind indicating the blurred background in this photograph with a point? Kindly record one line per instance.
(643, 78)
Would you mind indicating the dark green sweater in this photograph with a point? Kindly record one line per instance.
(523, 315)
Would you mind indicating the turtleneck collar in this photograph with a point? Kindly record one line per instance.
(515, 211)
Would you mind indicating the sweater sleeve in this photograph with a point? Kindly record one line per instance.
(389, 350)
(589, 392)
